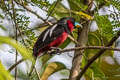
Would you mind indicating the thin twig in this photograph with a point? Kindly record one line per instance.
(17, 28)
(53, 9)
(16, 25)
(52, 21)
(71, 38)
(98, 55)
(32, 12)
(13, 66)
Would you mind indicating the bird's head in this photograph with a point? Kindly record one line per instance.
(69, 24)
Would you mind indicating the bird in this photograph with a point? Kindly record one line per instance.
(54, 35)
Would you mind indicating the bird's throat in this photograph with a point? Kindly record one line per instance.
(70, 25)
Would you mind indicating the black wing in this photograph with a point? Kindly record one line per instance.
(47, 37)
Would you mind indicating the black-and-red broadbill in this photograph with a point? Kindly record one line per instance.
(54, 35)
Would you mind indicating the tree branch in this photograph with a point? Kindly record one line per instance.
(98, 55)
(87, 47)
(71, 49)
(82, 39)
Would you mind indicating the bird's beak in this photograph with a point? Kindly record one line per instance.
(78, 25)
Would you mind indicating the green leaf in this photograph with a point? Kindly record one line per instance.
(89, 74)
(98, 74)
(65, 44)
(77, 5)
(65, 72)
(93, 40)
(45, 58)
(52, 68)
(23, 51)
(4, 75)
(61, 11)
(115, 3)
(104, 25)
(94, 72)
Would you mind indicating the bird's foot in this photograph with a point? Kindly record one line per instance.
(55, 50)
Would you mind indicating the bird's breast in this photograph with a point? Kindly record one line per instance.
(59, 40)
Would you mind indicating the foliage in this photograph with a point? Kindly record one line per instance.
(23, 22)
(108, 25)
(41, 3)
(24, 52)
(115, 3)
(52, 68)
(4, 75)
(103, 24)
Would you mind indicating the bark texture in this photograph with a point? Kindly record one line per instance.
(82, 39)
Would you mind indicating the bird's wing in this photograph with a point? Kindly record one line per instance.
(47, 37)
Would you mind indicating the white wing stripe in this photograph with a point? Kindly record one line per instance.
(52, 28)
(49, 31)
(45, 35)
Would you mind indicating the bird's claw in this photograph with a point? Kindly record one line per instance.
(54, 50)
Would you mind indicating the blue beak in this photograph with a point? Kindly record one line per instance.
(78, 25)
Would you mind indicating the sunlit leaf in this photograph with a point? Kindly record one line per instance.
(23, 51)
(43, 28)
(60, 11)
(4, 75)
(104, 25)
(52, 68)
(83, 15)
